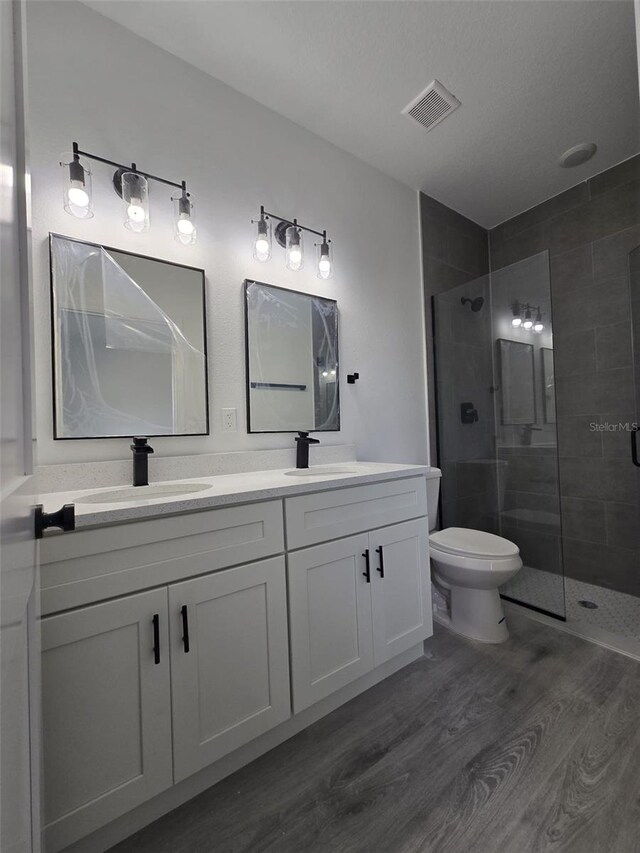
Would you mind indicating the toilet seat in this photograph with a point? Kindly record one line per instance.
(464, 542)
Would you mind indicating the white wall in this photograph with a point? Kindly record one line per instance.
(120, 96)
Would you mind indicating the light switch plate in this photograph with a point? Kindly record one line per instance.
(229, 420)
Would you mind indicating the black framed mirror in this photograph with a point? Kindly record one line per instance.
(291, 350)
(129, 343)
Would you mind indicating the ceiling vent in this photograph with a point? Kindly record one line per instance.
(431, 106)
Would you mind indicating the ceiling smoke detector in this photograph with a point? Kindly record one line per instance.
(431, 106)
(577, 155)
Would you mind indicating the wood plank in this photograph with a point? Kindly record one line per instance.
(527, 747)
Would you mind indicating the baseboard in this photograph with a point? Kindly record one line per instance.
(120, 829)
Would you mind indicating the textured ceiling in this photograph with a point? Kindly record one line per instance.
(534, 78)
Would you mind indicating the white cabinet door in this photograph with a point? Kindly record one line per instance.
(106, 712)
(400, 588)
(229, 661)
(330, 613)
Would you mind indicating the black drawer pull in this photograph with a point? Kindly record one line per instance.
(156, 639)
(185, 628)
(367, 570)
(64, 518)
(634, 447)
(381, 566)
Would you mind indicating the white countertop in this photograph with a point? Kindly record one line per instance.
(223, 490)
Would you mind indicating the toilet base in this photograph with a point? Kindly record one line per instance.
(478, 614)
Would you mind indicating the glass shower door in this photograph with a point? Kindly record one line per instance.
(634, 284)
(497, 437)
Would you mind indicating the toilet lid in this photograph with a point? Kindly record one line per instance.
(476, 543)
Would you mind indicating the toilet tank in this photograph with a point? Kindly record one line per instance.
(433, 492)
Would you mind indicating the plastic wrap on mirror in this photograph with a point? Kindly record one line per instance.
(292, 360)
(123, 365)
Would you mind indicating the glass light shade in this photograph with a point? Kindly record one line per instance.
(185, 225)
(76, 187)
(325, 260)
(262, 242)
(516, 322)
(538, 327)
(135, 195)
(528, 322)
(294, 250)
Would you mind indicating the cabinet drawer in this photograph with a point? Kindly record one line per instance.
(91, 565)
(322, 516)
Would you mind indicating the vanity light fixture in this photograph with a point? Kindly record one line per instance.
(132, 185)
(528, 324)
(538, 326)
(324, 261)
(289, 235)
(76, 186)
(135, 195)
(517, 318)
(294, 249)
(262, 242)
(183, 211)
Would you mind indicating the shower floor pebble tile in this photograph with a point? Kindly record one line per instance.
(616, 612)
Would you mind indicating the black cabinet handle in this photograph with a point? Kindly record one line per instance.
(156, 638)
(634, 447)
(367, 570)
(381, 566)
(64, 518)
(185, 628)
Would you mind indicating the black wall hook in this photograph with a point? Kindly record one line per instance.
(64, 518)
(351, 378)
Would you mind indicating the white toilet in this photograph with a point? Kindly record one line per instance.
(470, 565)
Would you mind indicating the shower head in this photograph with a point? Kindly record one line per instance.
(476, 304)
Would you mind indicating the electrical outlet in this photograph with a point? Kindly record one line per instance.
(229, 420)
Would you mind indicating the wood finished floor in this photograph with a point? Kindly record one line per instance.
(527, 747)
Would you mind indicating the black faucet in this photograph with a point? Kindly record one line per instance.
(141, 451)
(302, 453)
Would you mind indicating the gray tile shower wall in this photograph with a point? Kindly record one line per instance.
(454, 251)
(589, 231)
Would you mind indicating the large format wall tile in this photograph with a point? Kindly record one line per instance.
(618, 175)
(602, 565)
(583, 519)
(599, 479)
(590, 231)
(577, 438)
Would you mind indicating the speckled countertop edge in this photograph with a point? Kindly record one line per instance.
(226, 490)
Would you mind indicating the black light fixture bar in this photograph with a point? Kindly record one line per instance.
(293, 222)
(77, 152)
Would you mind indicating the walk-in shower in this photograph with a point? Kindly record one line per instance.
(538, 396)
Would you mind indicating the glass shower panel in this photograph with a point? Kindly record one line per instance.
(497, 440)
(634, 284)
(526, 432)
(464, 383)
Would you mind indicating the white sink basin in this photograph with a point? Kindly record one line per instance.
(323, 471)
(129, 494)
